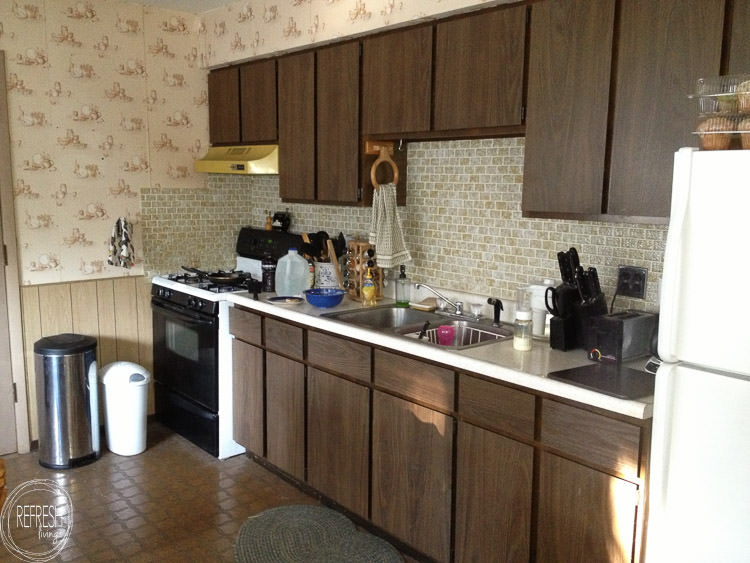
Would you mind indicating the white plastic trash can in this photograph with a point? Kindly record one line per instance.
(125, 403)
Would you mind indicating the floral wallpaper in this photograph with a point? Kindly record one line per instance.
(110, 98)
(247, 29)
(105, 99)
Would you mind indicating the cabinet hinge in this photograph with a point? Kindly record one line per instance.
(15, 393)
(523, 114)
(359, 193)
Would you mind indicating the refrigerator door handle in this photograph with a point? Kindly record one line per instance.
(670, 282)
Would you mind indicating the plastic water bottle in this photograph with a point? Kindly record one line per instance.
(292, 274)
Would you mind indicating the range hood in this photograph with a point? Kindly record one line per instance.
(250, 159)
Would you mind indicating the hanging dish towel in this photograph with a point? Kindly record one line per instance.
(386, 233)
(121, 252)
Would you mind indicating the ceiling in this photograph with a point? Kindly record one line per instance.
(192, 6)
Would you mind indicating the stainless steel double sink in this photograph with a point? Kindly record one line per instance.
(422, 325)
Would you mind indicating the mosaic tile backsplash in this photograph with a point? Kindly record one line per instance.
(462, 222)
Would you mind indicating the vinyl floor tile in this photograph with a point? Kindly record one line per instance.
(173, 502)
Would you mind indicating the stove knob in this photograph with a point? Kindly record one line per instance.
(199, 303)
(191, 302)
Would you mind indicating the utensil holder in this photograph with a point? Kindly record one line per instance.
(357, 256)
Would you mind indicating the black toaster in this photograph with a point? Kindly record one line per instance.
(622, 336)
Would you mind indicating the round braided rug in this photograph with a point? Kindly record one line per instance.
(308, 533)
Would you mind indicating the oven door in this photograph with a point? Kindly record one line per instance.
(186, 359)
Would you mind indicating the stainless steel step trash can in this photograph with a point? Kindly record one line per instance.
(67, 400)
(125, 403)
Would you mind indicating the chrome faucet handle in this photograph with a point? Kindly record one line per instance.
(459, 307)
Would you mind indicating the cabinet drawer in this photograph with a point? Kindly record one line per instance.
(414, 379)
(495, 406)
(284, 338)
(339, 355)
(592, 437)
(245, 325)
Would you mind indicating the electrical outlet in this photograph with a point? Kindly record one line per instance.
(631, 281)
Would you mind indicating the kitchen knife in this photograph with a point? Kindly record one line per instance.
(594, 284)
(566, 272)
(580, 277)
(575, 262)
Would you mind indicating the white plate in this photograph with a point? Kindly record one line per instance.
(285, 300)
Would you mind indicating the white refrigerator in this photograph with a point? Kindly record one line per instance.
(699, 481)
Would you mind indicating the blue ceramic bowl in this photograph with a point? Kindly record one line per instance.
(324, 297)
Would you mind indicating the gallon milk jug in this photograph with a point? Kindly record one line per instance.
(292, 274)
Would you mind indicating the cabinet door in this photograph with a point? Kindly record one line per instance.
(584, 514)
(411, 473)
(337, 100)
(479, 70)
(224, 105)
(663, 48)
(258, 101)
(397, 81)
(285, 414)
(297, 127)
(338, 436)
(247, 396)
(567, 106)
(493, 496)
(738, 55)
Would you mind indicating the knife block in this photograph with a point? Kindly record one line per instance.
(357, 255)
(573, 330)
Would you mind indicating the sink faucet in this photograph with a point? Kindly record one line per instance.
(458, 305)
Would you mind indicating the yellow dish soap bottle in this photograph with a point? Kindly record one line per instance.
(368, 290)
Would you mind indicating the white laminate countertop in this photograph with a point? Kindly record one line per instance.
(497, 360)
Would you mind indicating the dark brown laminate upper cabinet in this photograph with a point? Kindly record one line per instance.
(397, 81)
(296, 105)
(567, 102)
(738, 55)
(224, 105)
(663, 48)
(479, 70)
(337, 101)
(258, 101)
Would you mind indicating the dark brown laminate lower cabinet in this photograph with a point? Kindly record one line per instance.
(493, 496)
(247, 396)
(338, 439)
(285, 414)
(494, 472)
(412, 452)
(247, 380)
(589, 502)
(584, 514)
(459, 467)
(285, 397)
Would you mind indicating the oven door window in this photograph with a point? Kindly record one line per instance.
(186, 354)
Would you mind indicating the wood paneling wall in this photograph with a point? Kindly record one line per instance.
(116, 312)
